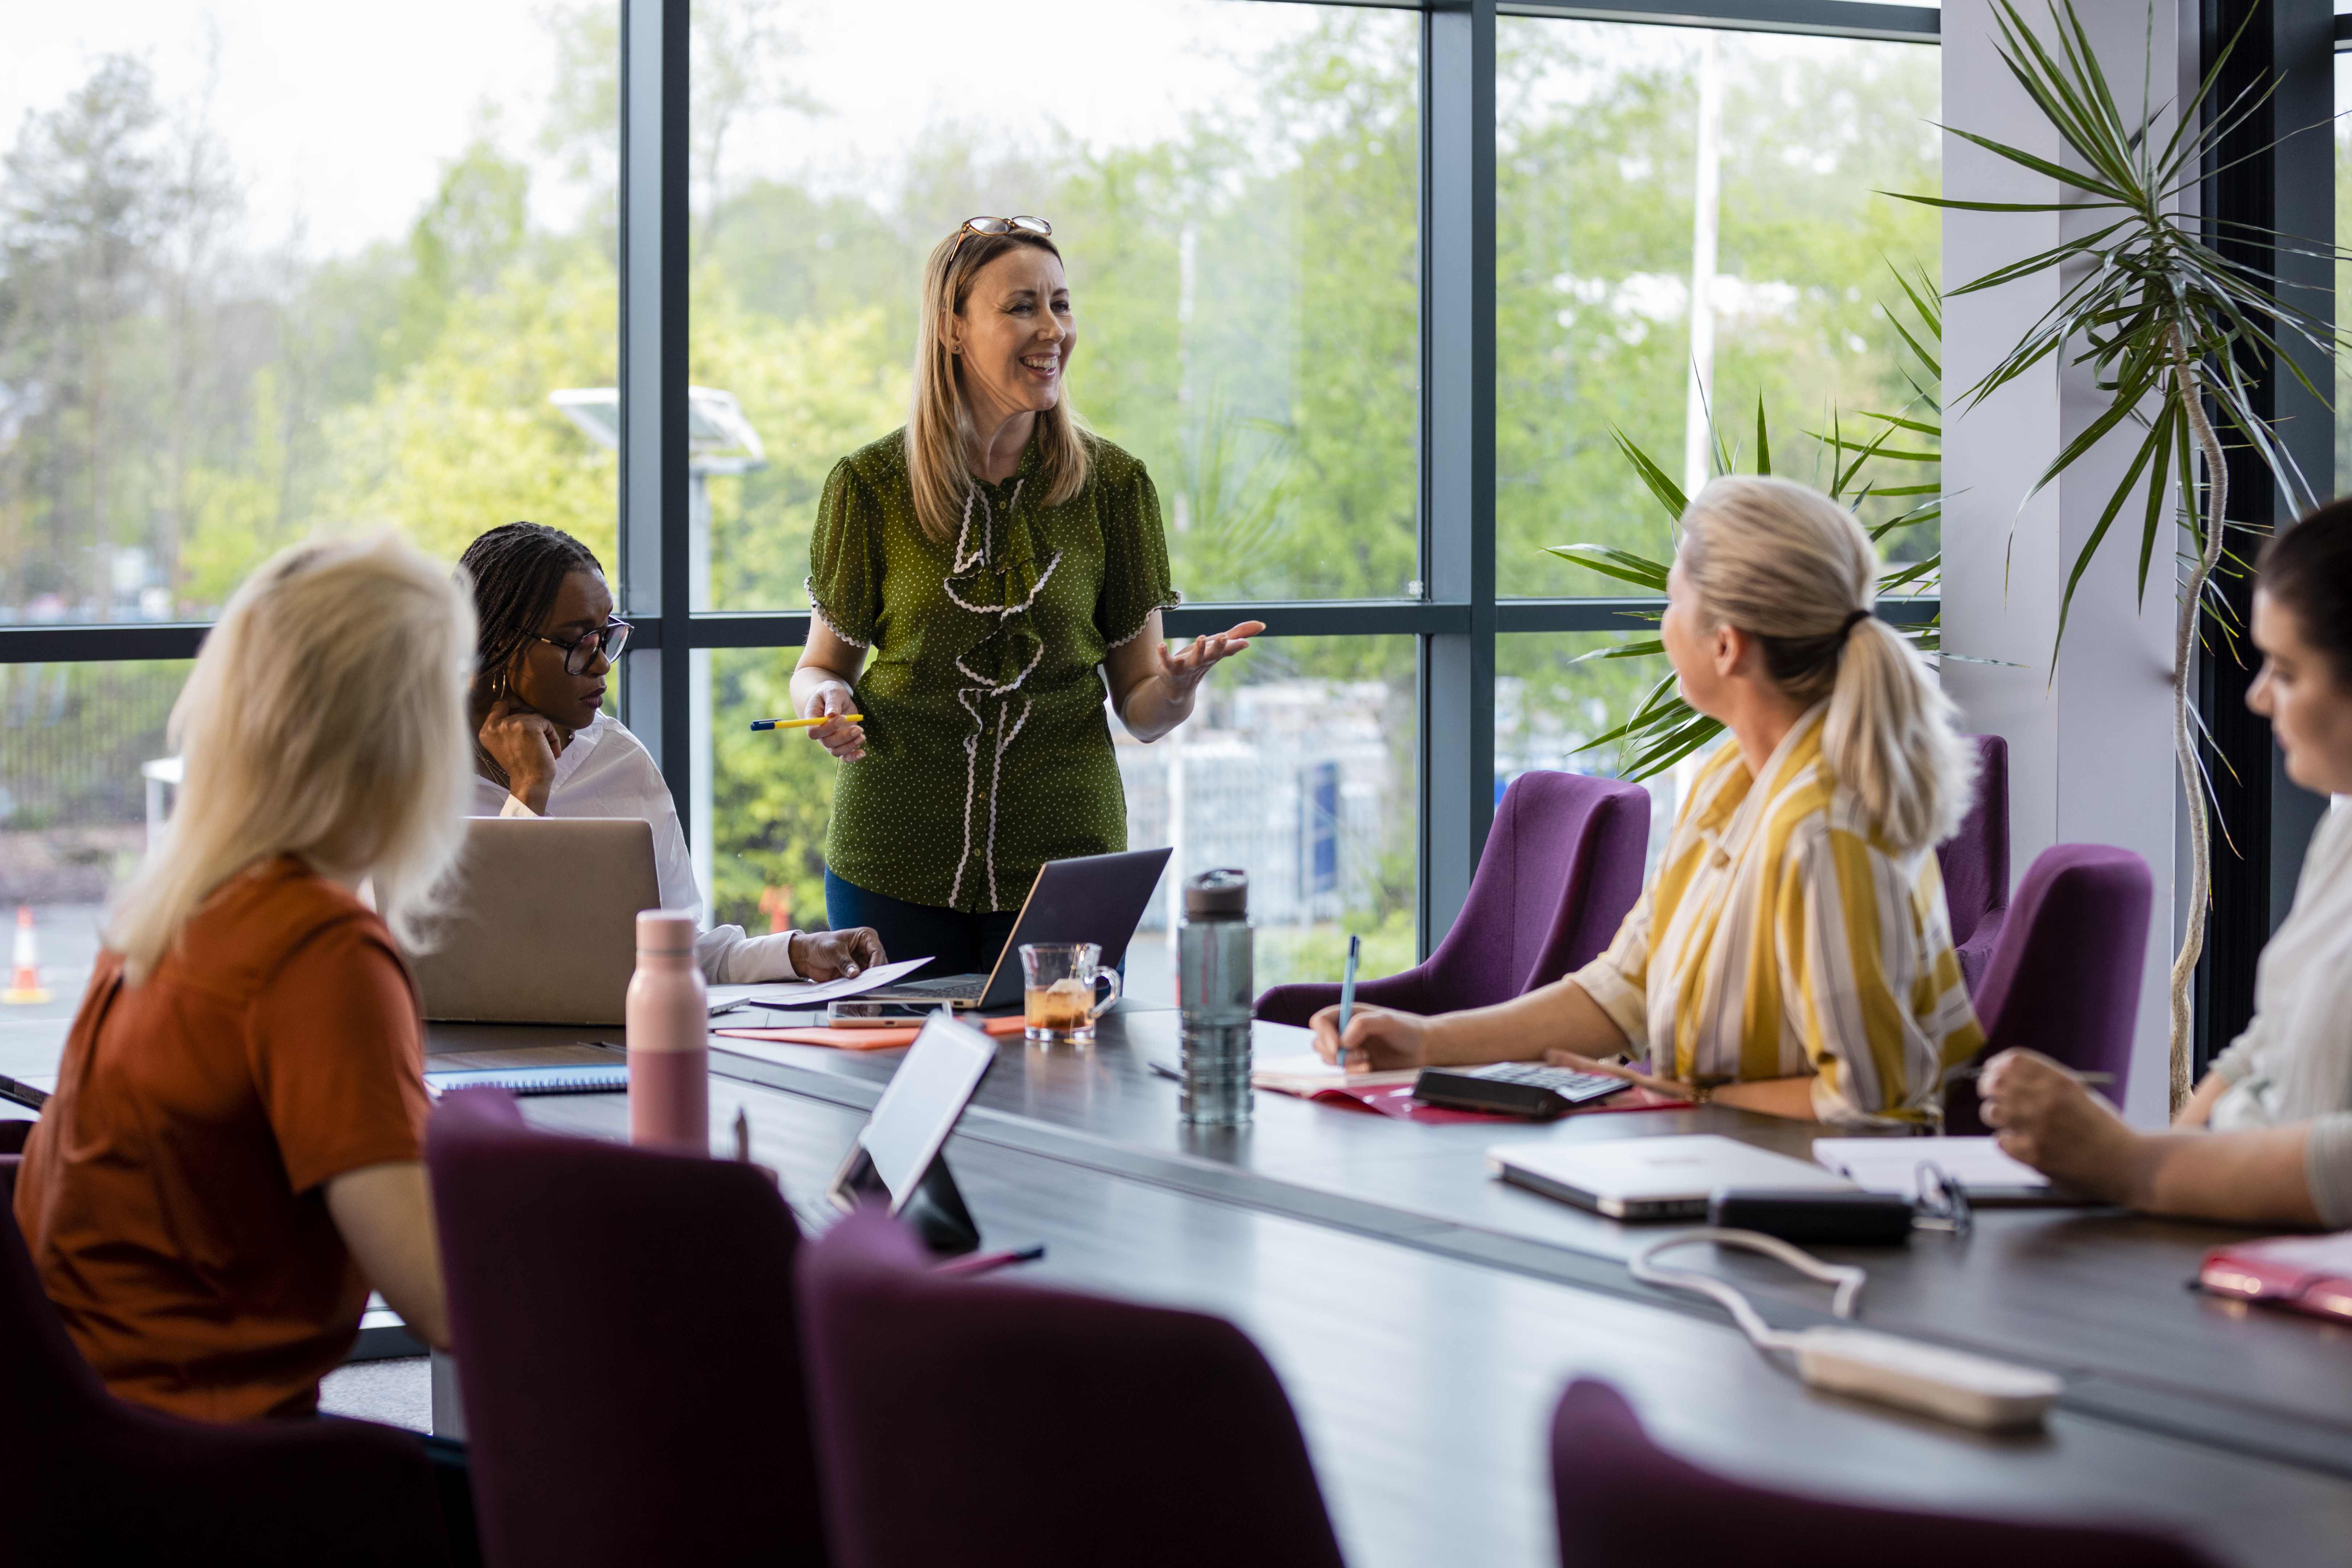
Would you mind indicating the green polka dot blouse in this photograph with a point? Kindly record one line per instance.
(987, 749)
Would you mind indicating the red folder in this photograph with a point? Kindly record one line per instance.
(2304, 1273)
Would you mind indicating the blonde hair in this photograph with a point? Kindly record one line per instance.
(938, 427)
(1793, 568)
(325, 718)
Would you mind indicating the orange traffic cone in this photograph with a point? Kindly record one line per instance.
(26, 988)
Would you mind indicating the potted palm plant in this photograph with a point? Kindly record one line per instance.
(2175, 334)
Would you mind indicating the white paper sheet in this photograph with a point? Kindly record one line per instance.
(1892, 1164)
(805, 994)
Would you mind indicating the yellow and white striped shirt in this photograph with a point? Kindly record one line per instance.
(1780, 937)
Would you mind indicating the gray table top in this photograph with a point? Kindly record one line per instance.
(1304, 1223)
(1425, 1383)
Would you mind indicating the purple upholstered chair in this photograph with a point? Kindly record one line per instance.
(2064, 978)
(1975, 863)
(625, 1346)
(1561, 867)
(1625, 1502)
(994, 1425)
(98, 1479)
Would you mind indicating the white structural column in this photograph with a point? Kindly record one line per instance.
(2090, 747)
(1706, 203)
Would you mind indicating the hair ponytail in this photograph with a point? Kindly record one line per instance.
(1793, 568)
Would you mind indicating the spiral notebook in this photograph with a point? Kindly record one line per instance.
(592, 1078)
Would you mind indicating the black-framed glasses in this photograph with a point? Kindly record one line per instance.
(1024, 224)
(581, 651)
(1942, 1202)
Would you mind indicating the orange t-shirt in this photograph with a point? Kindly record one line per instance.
(173, 1191)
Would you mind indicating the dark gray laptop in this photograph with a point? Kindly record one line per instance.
(1090, 898)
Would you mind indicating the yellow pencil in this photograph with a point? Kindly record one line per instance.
(801, 723)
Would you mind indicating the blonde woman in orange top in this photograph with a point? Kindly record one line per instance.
(234, 1153)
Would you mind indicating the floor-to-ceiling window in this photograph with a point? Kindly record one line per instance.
(266, 268)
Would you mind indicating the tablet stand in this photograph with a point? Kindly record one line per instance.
(934, 1210)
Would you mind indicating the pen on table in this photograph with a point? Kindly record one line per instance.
(742, 1136)
(802, 723)
(2095, 1079)
(988, 1262)
(1164, 1071)
(1347, 996)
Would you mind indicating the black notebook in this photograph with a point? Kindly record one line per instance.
(593, 1078)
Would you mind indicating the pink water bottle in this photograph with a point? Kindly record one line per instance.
(670, 1053)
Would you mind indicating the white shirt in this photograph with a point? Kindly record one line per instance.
(606, 772)
(2294, 1063)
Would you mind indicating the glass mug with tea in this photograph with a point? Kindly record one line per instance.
(1059, 981)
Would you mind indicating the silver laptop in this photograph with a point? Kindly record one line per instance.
(1653, 1178)
(543, 928)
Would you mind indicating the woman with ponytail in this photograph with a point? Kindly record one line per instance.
(1792, 954)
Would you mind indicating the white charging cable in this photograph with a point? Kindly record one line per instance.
(1952, 1386)
(1847, 1280)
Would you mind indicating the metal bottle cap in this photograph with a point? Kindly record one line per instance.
(1219, 895)
(666, 931)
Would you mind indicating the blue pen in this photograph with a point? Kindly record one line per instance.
(1347, 996)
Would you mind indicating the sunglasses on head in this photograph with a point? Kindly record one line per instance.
(1021, 225)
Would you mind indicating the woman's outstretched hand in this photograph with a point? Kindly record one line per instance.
(1378, 1039)
(1188, 667)
(838, 735)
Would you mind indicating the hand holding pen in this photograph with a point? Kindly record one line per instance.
(829, 716)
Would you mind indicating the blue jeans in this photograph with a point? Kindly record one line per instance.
(957, 943)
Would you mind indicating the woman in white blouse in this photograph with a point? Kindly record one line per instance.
(2267, 1137)
(546, 748)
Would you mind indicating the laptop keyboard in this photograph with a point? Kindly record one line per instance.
(1566, 1081)
(951, 986)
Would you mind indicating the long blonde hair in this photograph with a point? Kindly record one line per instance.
(938, 428)
(1795, 569)
(325, 718)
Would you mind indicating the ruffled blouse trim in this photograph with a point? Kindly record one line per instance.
(816, 607)
(995, 576)
(1173, 599)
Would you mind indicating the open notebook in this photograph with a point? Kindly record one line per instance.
(586, 1078)
(1983, 1172)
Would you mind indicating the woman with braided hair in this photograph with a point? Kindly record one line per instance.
(545, 747)
(1792, 954)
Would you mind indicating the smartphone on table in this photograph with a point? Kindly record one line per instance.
(852, 1013)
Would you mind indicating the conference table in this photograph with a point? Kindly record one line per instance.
(1424, 1316)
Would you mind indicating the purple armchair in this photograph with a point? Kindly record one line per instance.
(1625, 1502)
(2064, 978)
(626, 1348)
(1975, 863)
(1560, 869)
(103, 1480)
(993, 1425)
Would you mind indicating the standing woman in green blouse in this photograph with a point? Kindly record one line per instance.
(990, 556)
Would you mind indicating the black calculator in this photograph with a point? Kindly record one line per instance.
(1515, 1089)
